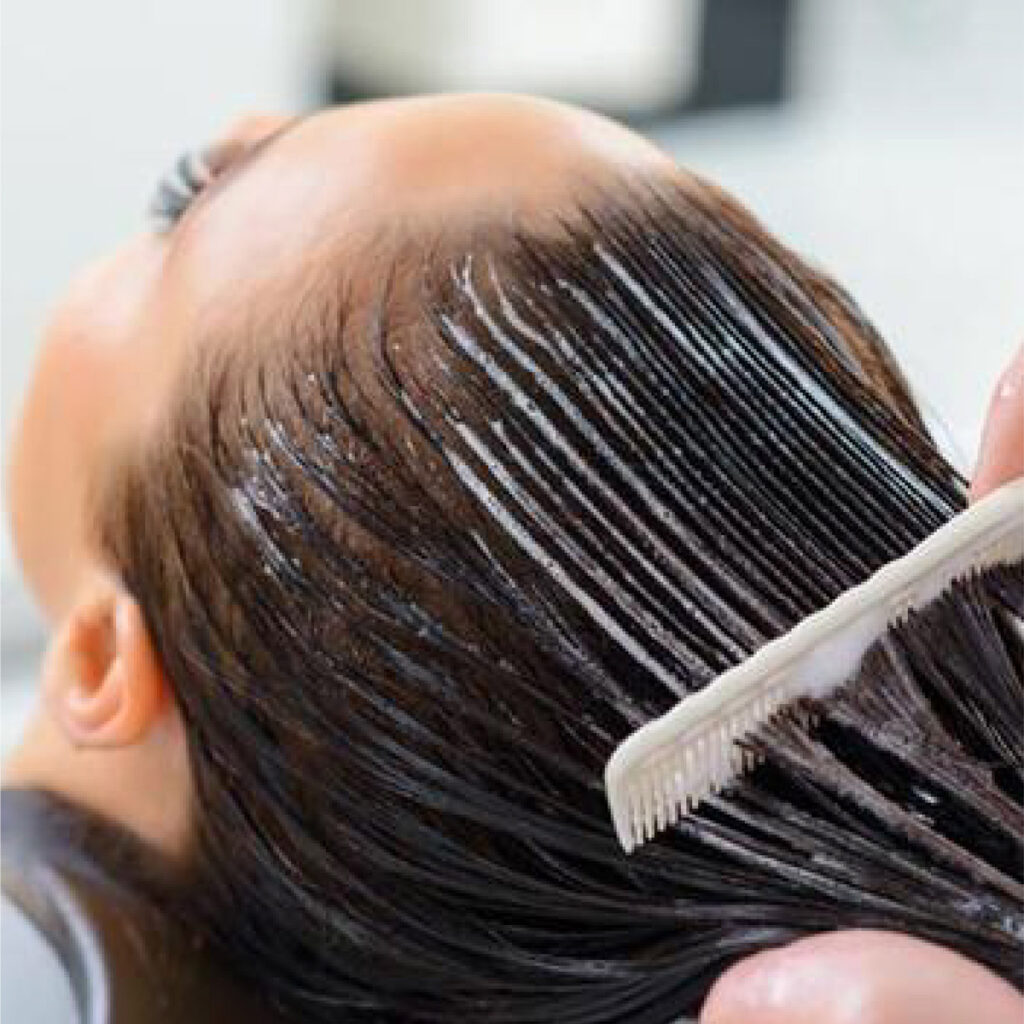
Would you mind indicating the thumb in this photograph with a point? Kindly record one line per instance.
(861, 977)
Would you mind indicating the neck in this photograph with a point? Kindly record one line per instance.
(145, 787)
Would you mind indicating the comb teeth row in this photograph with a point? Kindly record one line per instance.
(702, 764)
(664, 769)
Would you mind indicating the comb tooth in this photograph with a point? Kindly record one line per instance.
(692, 771)
(714, 761)
(735, 731)
(683, 779)
(673, 808)
(658, 785)
(707, 760)
(734, 755)
(749, 719)
(648, 812)
(724, 745)
(650, 804)
(673, 789)
(689, 772)
(702, 763)
(635, 815)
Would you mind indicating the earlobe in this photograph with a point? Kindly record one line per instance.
(103, 681)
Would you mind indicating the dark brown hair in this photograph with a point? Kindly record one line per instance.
(414, 572)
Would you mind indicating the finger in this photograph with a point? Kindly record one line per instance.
(1001, 457)
(864, 977)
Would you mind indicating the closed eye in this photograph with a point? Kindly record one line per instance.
(195, 171)
(178, 188)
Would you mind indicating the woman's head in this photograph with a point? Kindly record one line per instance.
(297, 211)
(426, 488)
(292, 206)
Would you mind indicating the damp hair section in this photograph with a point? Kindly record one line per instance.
(414, 577)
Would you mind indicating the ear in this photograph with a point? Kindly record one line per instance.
(102, 679)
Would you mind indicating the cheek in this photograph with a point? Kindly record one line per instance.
(52, 449)
(73, 411)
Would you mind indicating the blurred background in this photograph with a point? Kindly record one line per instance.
(882, 138)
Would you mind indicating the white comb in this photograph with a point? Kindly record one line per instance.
(665, 768)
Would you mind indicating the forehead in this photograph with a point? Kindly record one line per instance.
(348, 173)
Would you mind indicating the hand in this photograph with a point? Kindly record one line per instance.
(861, 977)
(865, 977)
(1002, 441)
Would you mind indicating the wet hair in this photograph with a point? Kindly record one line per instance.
(415, 570)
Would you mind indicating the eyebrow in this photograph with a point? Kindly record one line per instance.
(238, 165)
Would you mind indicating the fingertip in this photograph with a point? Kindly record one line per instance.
(749, 992)
(864, 977)
(1001, 454)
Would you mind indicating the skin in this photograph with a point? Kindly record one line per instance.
(128, 328)
(1002, 443)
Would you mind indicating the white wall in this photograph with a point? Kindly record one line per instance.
(900, 169)
(98, 97)
(618, 55)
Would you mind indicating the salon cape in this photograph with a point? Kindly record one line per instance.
(79, 948)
